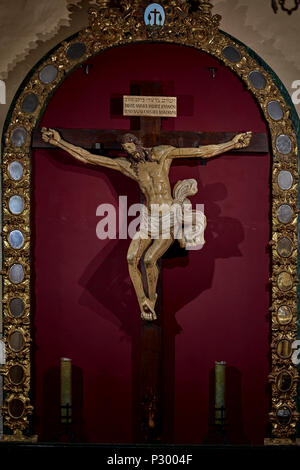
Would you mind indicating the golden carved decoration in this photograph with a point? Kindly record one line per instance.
(282, 442)
(16, 409)
(182, 25)
(112, 26)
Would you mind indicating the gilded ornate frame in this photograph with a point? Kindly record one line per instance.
(110, 27)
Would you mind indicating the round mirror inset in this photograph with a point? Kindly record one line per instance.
(284, 415)
(284, 281)
(257, 79)
(16, 239)
(16, 408)
(16, 273)
(48, 74)
(284, 247)
(284, 381)
(284, 349)
(16, 374)
(16, 307)
(285, 213)
(16, 341)
(285, 180)
(75, 51)
(275, 110)
(16, 204)
(232, 54)
(284, 144)
(30, 103)
(15, 170)
(284, 315)
(18, 136)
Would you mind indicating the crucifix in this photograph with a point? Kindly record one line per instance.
(155, 13)
(148, 164)
(150, 152)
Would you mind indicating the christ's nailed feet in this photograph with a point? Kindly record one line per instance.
(148, 312)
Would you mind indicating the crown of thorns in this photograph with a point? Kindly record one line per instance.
(128, 138)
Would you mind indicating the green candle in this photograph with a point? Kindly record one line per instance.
(220, 368)
(66, 389)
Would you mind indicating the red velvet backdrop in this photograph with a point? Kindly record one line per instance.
(215, 300)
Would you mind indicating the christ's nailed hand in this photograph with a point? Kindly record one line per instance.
(50, 135)
(242, 140)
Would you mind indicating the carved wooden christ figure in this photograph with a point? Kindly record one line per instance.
(150, 167)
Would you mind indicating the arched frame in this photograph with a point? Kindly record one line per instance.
(111, 27)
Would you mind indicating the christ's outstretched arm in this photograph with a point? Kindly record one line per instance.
(208, 151)
(54, 138)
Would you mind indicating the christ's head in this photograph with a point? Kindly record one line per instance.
(134, 147)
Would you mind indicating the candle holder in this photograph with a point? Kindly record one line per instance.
(66, 399)
(220, 424)
(66, 414)
(220, 410)
(66, 421)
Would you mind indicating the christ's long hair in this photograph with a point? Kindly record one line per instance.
(143, 153)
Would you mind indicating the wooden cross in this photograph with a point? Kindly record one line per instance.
(150, 133)
(148, 129)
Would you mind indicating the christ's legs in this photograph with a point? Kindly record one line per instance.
(135, 252)
(156, 250)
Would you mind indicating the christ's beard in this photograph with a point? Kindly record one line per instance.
(137, 157)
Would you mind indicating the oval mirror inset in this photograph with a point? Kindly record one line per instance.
(16, 204)
(257, 79)
(75, 51)
(48, 74)
(284, 381)
(284, 415)
(16, 408)
(284, 247)
(284, 144)
(16, 239)
(16, 374)
(30, 103)
(16, 341)
(15, 170)
(275, 110)
(284, 315)
(285, 281)
(16, 307)
(285, 180)
(232, 54)
(284, 349)
(16, 273)
(18, 136)
(285, 213)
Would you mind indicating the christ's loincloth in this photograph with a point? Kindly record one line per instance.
(178, 220)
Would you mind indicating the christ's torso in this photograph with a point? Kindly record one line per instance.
(153, 178)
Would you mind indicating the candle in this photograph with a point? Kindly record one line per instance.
(66, 389)
(220, 392)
